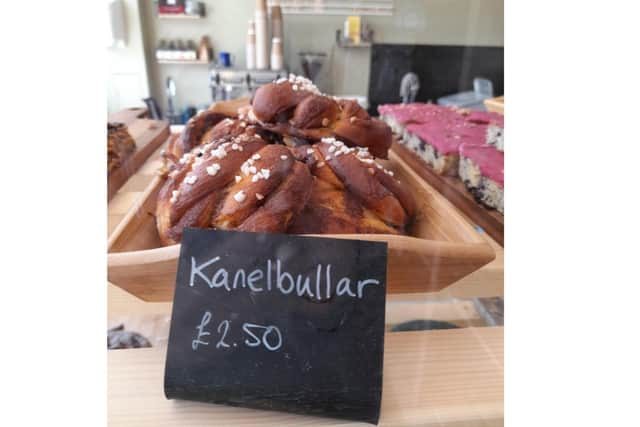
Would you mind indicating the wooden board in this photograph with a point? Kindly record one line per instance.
(128, 115)
(444, 247)
(148, 135)
(454, 190)
(448, 378)
(495, 105)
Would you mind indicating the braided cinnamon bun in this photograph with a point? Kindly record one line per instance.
(236, 182)
(200, 128)
(295, 108)
(242, 183)
(352, 193)
(294, 161)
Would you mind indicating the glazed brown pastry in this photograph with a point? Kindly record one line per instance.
(198, 129)
(352, 193)
(295, 108)
(193, 133)
(294, 161)
(235, 182)
(242, 183)
(119, 145)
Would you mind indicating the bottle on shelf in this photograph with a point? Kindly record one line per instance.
(180, 50)
(276, 20)
(277, 57)
(194, 8)
(192, 51)
(251, 46)
(171, 53)
(205, 52)
(262, 50)
(353, 29)
(161, 50)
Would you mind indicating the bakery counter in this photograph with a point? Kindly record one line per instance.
(485, 282)
(447, 377)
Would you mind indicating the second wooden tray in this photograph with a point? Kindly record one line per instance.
(454, 190)
(148, 135)
(441, 249)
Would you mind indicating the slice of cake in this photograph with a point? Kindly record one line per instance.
(435, 145)
(481, 168)
(495, 126)
(495, 135)
(397, 116)
(437, 142)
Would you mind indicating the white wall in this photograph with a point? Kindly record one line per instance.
(127, 79)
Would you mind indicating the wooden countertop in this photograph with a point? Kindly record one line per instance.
(431, 378)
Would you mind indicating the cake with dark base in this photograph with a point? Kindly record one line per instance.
(481, 168)
(437, 143)
(495, 127)
(435, 132)
(398, 116)
(455, 142)
(495, 136)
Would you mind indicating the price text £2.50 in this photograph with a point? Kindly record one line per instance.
(255, 335)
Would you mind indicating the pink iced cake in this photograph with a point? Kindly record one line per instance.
(481, 168)
(435, 132)
(437, 142)
(466, 143)
(495, 126)
(398, 116)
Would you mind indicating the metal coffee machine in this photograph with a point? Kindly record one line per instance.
(230, 83)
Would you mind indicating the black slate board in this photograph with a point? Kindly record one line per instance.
(301, 354)
(442, 69)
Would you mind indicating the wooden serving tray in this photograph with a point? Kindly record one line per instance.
(443, 246)
(148, 135)
(454, 190)
(495, 105)
(128, 115)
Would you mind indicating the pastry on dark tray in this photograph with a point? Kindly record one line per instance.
(119, 145)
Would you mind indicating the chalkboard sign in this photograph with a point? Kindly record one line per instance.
(279, 322)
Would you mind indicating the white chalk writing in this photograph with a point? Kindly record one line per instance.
(268, 336)
(286, 282)
(206, 318)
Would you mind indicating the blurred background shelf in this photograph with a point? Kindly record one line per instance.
(181, 61)
(348, 44)
(178, 16)
(365, 41)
